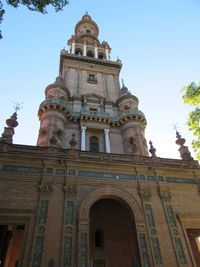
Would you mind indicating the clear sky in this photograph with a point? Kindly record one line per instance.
(158, 42)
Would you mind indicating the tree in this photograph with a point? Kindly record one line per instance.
(192, 97)
(34, 5)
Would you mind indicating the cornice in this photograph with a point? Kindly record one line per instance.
(84, 59)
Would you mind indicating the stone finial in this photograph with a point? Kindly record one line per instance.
(59, 80)
(152, 149)
(184, 151)
(73, 141)
(8, 133)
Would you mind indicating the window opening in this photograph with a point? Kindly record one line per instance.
(90, 54)
(94, 144)
(99, 239)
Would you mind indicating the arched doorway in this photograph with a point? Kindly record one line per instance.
(112, 235)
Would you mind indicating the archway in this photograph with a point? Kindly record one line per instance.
(112, 235)
(124, 200)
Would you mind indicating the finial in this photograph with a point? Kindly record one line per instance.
(8, 132)
(86, 13)
(152, 150)
(123, 85)
(73, 141)
(184, 151)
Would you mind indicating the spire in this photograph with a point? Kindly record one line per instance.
(152, 150)
(184, 151)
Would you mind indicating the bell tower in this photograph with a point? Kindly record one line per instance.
(86, 100)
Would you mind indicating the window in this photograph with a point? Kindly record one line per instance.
(90, 53)
(93, 109)
(94, 144)
(99, 239)
(92, 78)
(78, 52)
(101, 55)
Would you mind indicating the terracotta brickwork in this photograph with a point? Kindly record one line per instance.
(89, 194)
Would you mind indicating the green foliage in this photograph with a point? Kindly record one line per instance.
(192, 97)
(34, 5)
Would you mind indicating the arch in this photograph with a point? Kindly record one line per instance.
(90, 53)
(101, 55)
(78, 51)
(110, 192)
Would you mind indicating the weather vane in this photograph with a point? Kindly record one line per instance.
(175, 126)
(17, 106)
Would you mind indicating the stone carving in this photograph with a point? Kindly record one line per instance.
(152, 149)
(73, 142)
(133, 145)
(165, 195)
(46, 188)
(145, 194)
(70, 189)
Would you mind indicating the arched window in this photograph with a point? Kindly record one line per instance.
(101, 55)
(98, 239)
(94, 144)
(88, 31)
(90, 53)
(78, 51)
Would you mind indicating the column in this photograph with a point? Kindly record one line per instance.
(107, 54)
(85, 50)
(107, 140)
(69, 48)
(73, 48)
(96, 51)
(83, 136)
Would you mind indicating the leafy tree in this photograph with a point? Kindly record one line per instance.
(34, 5)
(192, 97)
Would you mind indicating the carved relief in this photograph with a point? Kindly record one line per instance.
(70, 189)
(145, 194)
(165, 195)
(46, 188)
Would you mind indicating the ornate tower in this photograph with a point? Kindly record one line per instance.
(86, 99)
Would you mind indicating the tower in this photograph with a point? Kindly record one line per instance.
(86, 99)
(89, 195)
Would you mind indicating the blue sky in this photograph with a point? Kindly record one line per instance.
(157, 41)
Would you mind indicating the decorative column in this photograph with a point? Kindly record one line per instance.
(83, 136)
(85, 50)
(69, 48)
(107, 140)
(73, 48)
(96, 51)
(107, 54)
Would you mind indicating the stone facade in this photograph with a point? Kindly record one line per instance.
(89, 194)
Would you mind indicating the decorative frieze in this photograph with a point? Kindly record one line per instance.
(170, 216)
(149, 215)
(43, 211)
(69, 212)
(38, 251)
(179, 249)
(144, 250)
(84, 250)
(67, 251)
(156, 250)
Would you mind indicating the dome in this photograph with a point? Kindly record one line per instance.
(86, 26)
